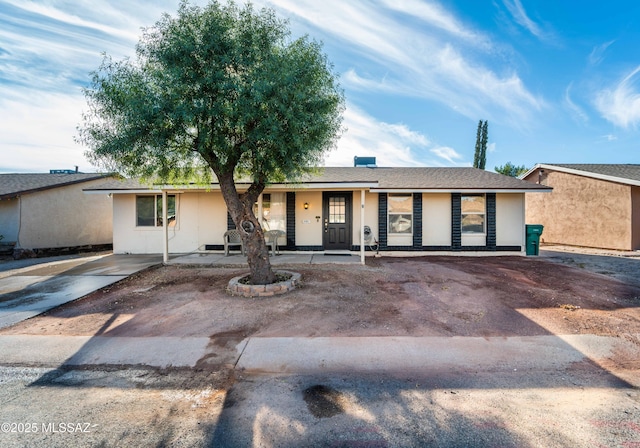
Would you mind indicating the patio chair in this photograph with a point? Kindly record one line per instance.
(232, 239)
(271, 238)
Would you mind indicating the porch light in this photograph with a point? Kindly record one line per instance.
(306, 206)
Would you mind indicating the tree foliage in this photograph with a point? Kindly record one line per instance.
(508, 169)
(220, 89)
(482, 137)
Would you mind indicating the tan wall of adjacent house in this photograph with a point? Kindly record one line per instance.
(65, 217)
(635, 218)
(581, 211)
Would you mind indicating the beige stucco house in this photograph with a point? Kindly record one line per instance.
(407, 209)
(592, 205)
(50, 210)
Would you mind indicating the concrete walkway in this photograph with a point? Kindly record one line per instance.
(285, 258)
(33, 289)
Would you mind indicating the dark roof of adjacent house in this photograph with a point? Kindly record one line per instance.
(625, 173)
(378, 178)
(17, 184)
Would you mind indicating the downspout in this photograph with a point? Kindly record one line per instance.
(165, 229)
(362, 227)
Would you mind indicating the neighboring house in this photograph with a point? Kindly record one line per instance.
(49, 211)
(592, 205)
(408, 209)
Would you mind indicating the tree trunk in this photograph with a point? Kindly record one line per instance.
(241, 211)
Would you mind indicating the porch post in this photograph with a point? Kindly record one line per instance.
(362, 227)
(165, 229)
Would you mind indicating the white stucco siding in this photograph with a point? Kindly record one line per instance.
(9, 220)
(436, 219)
(65, 217)
(201, 219)
(370, 215)
(308, 227)
(510, 219)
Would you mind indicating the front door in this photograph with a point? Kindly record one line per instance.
(337, 220)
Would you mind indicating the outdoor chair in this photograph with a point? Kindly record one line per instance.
(232, 239)
(271, 238)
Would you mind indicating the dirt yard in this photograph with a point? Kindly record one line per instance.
(215, 405)
(427, 296)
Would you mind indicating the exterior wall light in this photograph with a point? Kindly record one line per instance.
(306, 206)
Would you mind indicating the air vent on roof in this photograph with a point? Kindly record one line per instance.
(369, 162)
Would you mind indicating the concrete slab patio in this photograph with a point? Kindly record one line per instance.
(31, 290)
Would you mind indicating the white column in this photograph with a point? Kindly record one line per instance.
(362, 227)
(165, 228)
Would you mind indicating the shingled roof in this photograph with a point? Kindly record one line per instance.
(625, 173)
(416, 178)
(14, 185)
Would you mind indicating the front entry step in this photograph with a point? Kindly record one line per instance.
(338, 252)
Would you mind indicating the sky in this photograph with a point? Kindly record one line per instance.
(557, 81)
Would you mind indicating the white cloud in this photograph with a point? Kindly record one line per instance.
(575, 110)
(620, 104)
(41, 131)
(520, 16)
(597, 54)
(393, 144)
(448, 154)
(419, 61)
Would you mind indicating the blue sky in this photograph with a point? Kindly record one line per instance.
(558, 83)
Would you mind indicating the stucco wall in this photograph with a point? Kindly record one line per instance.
(65, 217)
(635, 220)
(510, 220)
(9, 220)
(436, 219)
(201, 219)
(308, 228)
(581, 211)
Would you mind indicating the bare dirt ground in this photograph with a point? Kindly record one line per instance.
(425, 296)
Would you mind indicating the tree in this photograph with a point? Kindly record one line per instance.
(511, 170)
(221, 89)
(482, 137)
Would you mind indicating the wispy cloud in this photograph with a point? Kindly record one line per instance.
(576, 111)
(420, 61)
(393, 144)
(620, 104)
(597, 54)
(448, 154)
(521, 17)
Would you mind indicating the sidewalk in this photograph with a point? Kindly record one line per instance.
(305, 355)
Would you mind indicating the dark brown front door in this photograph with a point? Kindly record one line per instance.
(337, 220)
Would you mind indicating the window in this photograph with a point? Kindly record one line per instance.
(274, 211)
(149, 210)
(337, 210)
(473, 213)
(400, 213)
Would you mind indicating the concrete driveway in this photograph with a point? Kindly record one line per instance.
(28, 289)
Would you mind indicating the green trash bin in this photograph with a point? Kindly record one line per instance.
(533, 238)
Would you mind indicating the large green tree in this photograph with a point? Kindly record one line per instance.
(508, 169)
(222, 89)
(482, 137)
